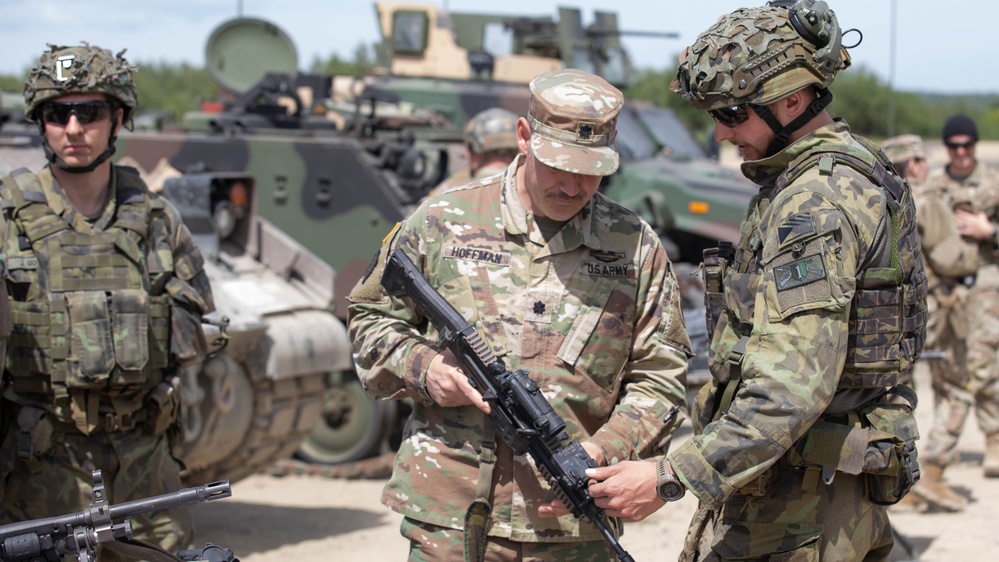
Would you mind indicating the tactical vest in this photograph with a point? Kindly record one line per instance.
(888, 310)
(87, 332)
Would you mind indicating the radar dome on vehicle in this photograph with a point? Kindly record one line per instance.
(242, 51)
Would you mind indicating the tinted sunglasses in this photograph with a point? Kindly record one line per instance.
(956, 145)
(58, 113)
(732, 116)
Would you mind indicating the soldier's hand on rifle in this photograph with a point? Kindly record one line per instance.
(626, 489)
(556, 508)
(448, 386)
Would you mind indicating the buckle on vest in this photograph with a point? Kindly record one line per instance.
(114, 422)
(24, 449)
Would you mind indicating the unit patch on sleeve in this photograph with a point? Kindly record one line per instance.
(800, 272)
(794, 228)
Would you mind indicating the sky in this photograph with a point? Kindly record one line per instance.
(939, 46)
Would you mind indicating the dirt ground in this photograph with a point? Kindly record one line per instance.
(312, 518)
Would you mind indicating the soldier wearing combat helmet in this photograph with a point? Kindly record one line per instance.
(490, 142)
(806, 431)
(107, 291)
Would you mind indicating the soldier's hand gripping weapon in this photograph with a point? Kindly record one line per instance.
(522, 415)
(53, 538)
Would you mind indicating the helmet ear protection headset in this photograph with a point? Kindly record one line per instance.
(815, 23)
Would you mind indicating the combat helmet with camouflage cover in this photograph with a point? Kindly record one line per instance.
(757, 56)
(81, 69)
(492, 130)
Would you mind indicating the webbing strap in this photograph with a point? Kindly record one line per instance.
(477, 516)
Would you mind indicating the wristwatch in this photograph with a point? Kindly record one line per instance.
(667, 486)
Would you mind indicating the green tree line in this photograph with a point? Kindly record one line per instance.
(859, 95)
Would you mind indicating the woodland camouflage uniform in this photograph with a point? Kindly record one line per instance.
(816, 313)
(105, 309)
(592, 311)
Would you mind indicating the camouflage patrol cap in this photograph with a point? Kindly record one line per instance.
(904, 147)
(762, 55)
(492, 130)
(83, 69)
(573, 118)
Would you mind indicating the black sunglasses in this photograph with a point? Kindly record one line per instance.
(732, 116)
(86, 112)
(956, 145)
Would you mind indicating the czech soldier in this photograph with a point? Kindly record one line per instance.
(107, 292)
(490, 142)
(805, 433)
(558, 280)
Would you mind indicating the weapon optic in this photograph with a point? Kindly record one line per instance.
(523, 417)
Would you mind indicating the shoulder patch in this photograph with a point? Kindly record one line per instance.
(800, 272)
(795, 227)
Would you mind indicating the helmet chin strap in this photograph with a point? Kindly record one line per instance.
(50, 155)
(784, 132)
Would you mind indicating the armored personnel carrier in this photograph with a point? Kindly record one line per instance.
(337, 160)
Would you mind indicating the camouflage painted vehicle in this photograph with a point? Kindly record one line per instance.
(259, 393)
(336, 161)
(332, 172)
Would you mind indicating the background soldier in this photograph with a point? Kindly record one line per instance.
(107, 293)
(817, 313)
(570, 286)
(490, 141)
(950, 261)
(972, 189)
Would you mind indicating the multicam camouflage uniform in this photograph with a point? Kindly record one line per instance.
(818, 311)
(979, 382)
(104, 310)
(593, 313)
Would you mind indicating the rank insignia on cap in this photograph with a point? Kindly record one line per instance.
(795, 227)
(799, 272)
(584, 131)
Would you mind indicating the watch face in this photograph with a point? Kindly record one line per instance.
(670, 490)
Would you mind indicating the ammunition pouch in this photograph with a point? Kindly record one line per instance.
(878, 441)
(162, 405)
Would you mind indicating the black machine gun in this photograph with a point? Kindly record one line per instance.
(523, 417)
(53, 538)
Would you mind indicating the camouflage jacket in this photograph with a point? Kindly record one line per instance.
(594, 315)
(132, 271)
(979, 192)
(949, 257)
(788, 299)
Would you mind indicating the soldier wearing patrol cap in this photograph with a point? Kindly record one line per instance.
(972, 189)
(951, 261)
(806, 431)
(560, 281)
(107, 292)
